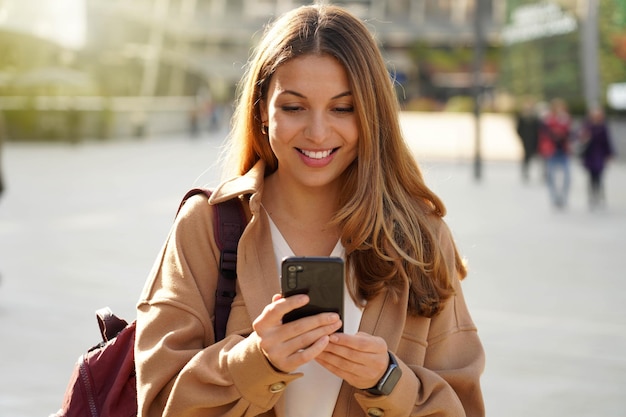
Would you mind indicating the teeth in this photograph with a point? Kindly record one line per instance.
(316, 155)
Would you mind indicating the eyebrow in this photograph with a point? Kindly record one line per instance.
(295, 93)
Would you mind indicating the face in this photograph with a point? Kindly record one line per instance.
(596, 115)
(312, 126)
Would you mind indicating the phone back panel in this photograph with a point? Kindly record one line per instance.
(321, 278)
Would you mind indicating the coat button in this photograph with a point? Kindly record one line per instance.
(375, 412)
(277, 387)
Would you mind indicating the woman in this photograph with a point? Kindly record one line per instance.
(322, 168)
(598, 150)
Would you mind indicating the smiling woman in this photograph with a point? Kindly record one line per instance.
(322, 170)
(61, 21)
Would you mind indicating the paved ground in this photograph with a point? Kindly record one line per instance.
(81, 225)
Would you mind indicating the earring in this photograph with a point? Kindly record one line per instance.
(264, 129)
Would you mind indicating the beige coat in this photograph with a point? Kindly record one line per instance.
(181, 371)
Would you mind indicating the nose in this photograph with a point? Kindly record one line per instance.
(317, 128)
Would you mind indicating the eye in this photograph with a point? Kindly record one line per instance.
(344, 109)
(291, 108)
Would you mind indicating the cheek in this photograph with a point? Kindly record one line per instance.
(282, 129)
(351, 134)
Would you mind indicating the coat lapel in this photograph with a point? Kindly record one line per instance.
(257, 273)
(385, 316)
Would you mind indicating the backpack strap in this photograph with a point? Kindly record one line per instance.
(230, 221)
(229, 225)
(110, 324)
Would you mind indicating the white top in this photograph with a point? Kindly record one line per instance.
(315, 394)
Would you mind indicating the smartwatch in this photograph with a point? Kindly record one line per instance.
(386, 384)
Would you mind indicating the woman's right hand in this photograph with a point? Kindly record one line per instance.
(290, 345)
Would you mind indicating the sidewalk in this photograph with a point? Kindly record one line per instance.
(81, 225)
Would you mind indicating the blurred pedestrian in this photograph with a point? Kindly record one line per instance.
(194, 128)
(555, 148)
(138, 121)
(596, 150)
(527, 127)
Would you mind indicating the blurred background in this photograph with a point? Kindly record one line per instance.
(110, 110)
(76, 69)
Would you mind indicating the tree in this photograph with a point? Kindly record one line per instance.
(612, 50)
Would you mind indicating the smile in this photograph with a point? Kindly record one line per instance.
(316, 154)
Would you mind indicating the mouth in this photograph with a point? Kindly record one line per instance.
(317, 154)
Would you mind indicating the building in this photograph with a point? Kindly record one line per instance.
(191, 47)
(150, 66)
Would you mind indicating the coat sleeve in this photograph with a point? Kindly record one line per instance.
(181, 371)
(455, 358)
(444, 379)
(456, 355)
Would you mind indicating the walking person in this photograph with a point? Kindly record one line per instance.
(527, 128)
(555, 148)
(318, 160)
(597, 150)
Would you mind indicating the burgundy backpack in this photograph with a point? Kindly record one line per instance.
(103, 382)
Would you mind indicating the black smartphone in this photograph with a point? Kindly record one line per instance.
(321, 278)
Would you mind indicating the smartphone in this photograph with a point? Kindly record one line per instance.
(321, 278)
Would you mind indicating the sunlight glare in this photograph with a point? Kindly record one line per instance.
(62, 21)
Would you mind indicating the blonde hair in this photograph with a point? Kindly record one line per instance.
(388, 216)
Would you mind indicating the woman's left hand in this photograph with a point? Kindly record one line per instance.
(360, 359)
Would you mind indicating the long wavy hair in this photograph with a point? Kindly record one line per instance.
(387, 216)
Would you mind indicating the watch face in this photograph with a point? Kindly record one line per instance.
(389, 380)
(392, 379)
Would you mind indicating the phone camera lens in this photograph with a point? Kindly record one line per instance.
(292, 275)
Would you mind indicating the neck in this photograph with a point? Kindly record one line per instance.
(314, 206)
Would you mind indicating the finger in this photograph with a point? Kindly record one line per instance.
(302, 356)
(302, 333)
(357, 373)
(300, 341)
(362, 350)
(359, 359)
(309, 323)
(359, 342)
(272, 314)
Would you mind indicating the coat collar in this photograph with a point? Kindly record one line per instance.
(249, 183)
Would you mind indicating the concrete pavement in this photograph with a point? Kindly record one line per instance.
(81, 225)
